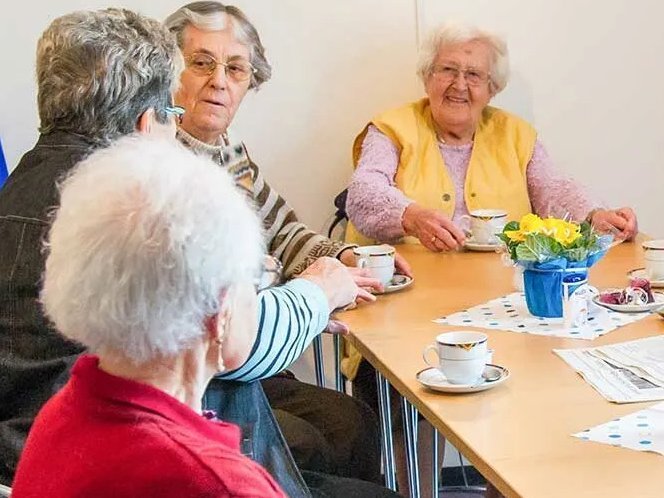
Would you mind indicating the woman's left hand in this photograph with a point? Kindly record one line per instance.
(621, 222)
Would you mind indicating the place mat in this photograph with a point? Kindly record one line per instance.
(511, 313)
(640, 431)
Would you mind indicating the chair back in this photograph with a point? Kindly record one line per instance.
(340, 215)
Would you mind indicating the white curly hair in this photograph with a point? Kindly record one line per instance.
(146, 239)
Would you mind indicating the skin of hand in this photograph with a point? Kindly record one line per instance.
(620, 222)
(401, 266)
(337, 327)
(434, 230)
(337, 282)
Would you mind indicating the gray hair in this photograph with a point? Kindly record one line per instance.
(213, 16)
(452, 33)
(147, 237)
(97, 72)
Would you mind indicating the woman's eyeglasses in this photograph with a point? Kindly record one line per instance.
(271, 274)
(176, 111)
(447, 73)
(204, 64)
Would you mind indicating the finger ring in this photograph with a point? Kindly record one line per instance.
(433, 239)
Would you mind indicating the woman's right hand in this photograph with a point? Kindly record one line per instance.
(435, 231)
(341, 285)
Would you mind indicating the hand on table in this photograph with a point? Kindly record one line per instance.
(435, 231)
(621, 222)
(341, 285)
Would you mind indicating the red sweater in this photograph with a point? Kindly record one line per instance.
(103, 436)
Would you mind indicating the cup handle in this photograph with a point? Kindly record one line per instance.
(464, 224)
(433, 348)
(489, 356)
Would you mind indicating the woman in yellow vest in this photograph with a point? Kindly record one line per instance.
(422, 166)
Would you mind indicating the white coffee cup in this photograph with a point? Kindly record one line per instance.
(485, 224)
(461, 356)
(379, 260)
(654, 256)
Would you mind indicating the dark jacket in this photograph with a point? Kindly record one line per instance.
(35, 360)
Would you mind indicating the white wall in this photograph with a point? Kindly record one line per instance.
(588, 74)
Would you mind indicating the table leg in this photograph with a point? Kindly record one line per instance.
(409, 413)
(435, 467)
(339, 383)
(387, 444)
(319, 367)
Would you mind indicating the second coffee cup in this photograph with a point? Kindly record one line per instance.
(379, 260)
(462, 356)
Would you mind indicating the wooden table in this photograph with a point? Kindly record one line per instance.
(518, 435)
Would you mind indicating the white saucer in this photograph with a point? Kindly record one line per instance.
(434, 379)
(397, 283)
(476, 246)
(634, 308)
(641, 273)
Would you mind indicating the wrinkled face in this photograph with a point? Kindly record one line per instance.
(458, 86)
(210, 100)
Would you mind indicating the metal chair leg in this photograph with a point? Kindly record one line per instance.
(339, 383)
(387, 445)
(409, 413)
(319, 366)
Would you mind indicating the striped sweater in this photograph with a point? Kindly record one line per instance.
(286, 238)
(292, 315)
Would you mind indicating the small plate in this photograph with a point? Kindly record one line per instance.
(434, 379)
(634, 308)
(397, 283)
(641, 273)
(476, 246)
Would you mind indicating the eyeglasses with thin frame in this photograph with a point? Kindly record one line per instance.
(203, 64)
(176, 111)
(271, 274)
(448, 73)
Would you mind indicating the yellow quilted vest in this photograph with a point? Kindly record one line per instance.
(496, 178)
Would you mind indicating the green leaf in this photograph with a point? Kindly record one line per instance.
(576, 254)
(512, 226)
(538, 247)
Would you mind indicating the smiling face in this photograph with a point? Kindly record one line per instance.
(457, 106)
(210, 100)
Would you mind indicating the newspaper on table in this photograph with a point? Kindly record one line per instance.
(626, 372)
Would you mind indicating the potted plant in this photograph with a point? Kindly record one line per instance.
(552, 251)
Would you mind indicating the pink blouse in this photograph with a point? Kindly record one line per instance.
(375, 205)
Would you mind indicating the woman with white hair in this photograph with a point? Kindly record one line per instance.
(158, 285)
(423, 166)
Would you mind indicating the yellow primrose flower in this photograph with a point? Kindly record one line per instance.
(515, 235)
(562, 231)
(531, 223)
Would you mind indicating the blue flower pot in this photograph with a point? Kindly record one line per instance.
(544, 289)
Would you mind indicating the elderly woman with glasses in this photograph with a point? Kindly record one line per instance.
(423, 166)
(224, 58)
(147, 278)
